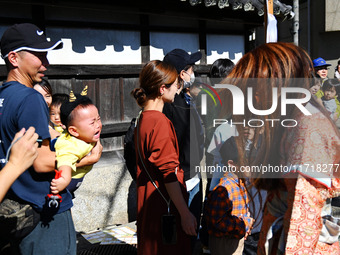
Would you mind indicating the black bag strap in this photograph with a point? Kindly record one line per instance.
(146, 170)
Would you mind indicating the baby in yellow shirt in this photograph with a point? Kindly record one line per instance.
(83, 126)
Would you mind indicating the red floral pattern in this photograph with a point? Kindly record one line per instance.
(313, 142)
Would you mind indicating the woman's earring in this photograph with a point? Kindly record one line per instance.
(162, 93)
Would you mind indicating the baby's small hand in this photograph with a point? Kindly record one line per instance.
(58, 185)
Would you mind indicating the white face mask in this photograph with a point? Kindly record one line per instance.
(187, 84)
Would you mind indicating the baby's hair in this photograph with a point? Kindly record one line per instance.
(330, 83)
(58, 99)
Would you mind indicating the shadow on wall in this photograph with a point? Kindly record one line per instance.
(228, 45)
(166, 42)
(160, 43)
(220, 44)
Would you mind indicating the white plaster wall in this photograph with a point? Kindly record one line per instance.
(332, 16)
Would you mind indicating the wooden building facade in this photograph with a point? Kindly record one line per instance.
(110, 84)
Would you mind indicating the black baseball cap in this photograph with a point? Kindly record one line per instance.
(180, 58)
(26, 36)
(67, 107)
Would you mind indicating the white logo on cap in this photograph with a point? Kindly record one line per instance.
(40, 32)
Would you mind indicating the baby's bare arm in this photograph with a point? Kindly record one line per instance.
(93, 158)
(58, 185)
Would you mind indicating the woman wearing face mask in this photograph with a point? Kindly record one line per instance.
(160, 183)
(188, 126)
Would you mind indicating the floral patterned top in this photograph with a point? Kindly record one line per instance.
(312, 152)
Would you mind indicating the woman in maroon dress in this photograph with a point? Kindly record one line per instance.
(160, 180)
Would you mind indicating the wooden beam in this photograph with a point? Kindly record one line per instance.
(114, 129)
(95, 71)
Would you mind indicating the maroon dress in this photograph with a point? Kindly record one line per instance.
(159, 149)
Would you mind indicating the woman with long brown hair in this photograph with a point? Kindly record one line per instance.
(164, 221)
(293, 143)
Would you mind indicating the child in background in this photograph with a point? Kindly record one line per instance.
(315, 84)
(337, 70)
(83, 126)
(328, 97)
(57, 100)
(227, 208)
(45, 89)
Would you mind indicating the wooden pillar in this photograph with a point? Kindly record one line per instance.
(268, 9)
(203, 41)
(121, 96)
(145, 38)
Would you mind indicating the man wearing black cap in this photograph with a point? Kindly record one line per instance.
(24, 48)
(188, 126)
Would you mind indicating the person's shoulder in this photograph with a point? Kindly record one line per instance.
(228, 179)
(20, 92)
(14, 85)
(179, 99)
(161, 118)
(225, 127)
(167, 107)
(19, 88)
(156, 122)
(65, 136)
(67, 140)
(316, 121)
(314, 113)
(319, 93)
(153, 117)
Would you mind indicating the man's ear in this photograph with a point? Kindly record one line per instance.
(181, 74)
(73, 131)
(13, 58)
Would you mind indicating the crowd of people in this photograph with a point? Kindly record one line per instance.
(49, 142)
